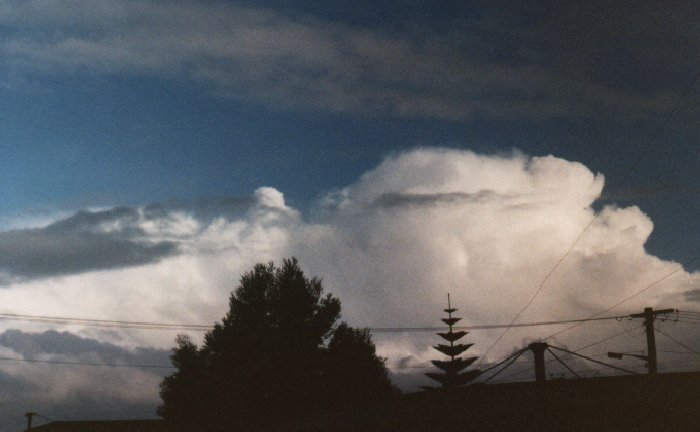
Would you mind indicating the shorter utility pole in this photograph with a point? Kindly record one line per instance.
(537, 349)
(29, 417)
(649, 315)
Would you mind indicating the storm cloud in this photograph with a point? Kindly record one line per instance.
(485, 228)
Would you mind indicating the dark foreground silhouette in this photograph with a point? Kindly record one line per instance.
(278, 357)
(666, 402)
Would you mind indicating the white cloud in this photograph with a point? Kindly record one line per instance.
(486, 229)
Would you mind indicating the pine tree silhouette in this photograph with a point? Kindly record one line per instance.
(452, 375)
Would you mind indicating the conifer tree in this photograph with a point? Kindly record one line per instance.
(452, 375)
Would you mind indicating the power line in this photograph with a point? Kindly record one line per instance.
(651, 285)
(58, 362)
(594, 360)
(409, 367)
(539, 288)
(426, 366)
(643, 290)
(576, 350)
(674, 352)
(94, 322)
(511, 359)
(491, 326)
(556, 357)
(678, 342)
(149, 325)
(627, 174)
(657, 132)
(515, 354)
(689, 313)
(680, 320)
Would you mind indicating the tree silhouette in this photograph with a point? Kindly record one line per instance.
(452, 377)
(277, 356)
(354, 374)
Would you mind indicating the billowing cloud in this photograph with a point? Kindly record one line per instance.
(391, 245)
(295, 60)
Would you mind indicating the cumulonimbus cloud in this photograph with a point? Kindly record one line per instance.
(485, 228)
(391, 245)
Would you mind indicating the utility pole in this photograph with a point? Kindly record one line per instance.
(537, 349)
(29, 416)
(649, 315)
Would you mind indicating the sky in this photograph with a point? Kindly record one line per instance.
(537, 160)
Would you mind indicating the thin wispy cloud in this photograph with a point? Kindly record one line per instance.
(270, 58)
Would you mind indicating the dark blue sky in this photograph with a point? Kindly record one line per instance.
(110, 121)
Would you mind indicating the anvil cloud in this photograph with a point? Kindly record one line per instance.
(485, 228)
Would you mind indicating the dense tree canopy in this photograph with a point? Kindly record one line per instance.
(278, 355)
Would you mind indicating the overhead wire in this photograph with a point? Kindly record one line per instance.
(626, 299)
(514, 354)
(95, 322)
(512, 360)
(491, 326)
(60, 362)
(562, 362)
(688, 313)
(576, 350)
(686, 322)
(150, 325)
(594, 360)
(676, 352)
(678, 342)
(615, 191)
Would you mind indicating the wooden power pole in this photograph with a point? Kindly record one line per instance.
(29, 417)
(537, 349)
(649, 315)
